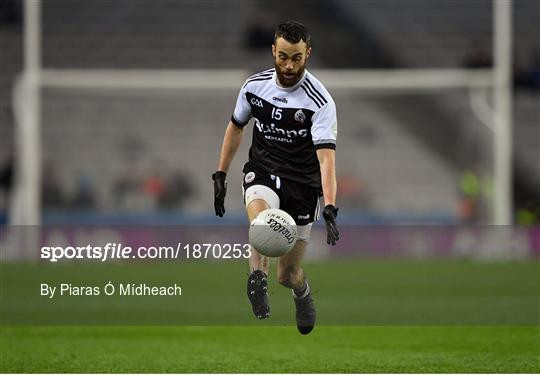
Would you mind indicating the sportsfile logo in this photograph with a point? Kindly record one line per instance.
(273, 129)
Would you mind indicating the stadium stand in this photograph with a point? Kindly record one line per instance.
(427, 34)
(444, 35)
(391, 146)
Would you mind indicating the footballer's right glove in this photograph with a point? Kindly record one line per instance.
(332, 233)
(220, 189)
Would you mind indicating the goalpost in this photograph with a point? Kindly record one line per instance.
(26, 206)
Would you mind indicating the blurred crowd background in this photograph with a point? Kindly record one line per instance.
(401, 157)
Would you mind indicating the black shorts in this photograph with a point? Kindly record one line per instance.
(298, 200)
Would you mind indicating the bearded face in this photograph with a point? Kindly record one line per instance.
(290, 61)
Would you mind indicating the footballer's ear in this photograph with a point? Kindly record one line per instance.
(274, 50)
(308, 52)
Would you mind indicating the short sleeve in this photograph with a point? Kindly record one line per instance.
(242, 110)
(324, 126)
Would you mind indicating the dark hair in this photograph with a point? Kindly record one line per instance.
(293, 32)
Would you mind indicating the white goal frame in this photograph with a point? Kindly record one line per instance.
(26, 206)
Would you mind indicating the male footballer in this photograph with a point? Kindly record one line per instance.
(291, 162)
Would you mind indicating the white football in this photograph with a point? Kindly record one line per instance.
(273, 232)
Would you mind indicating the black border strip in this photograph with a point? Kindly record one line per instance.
(311, 97)
(318, 93)
(325, 145)
(237, 123)
(257, 79)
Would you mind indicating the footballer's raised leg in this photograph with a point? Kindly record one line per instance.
(257, 284)
(291, 275)
(291, 160)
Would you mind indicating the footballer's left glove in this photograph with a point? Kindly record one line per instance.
(332, 233)
(220, 189)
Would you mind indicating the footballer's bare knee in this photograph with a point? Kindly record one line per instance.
(294, 257)
(291, 276)
(257, 261)
(290, 273)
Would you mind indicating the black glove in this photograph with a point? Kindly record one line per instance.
(220, 188)
(332, 233)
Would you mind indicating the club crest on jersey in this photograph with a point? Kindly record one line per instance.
(299, 116)
(250, 176)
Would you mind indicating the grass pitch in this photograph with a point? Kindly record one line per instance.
(397, 316)
(269, 349)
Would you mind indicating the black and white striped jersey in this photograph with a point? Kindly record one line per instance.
(290, 125)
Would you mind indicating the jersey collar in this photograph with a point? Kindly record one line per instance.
(292, 88)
